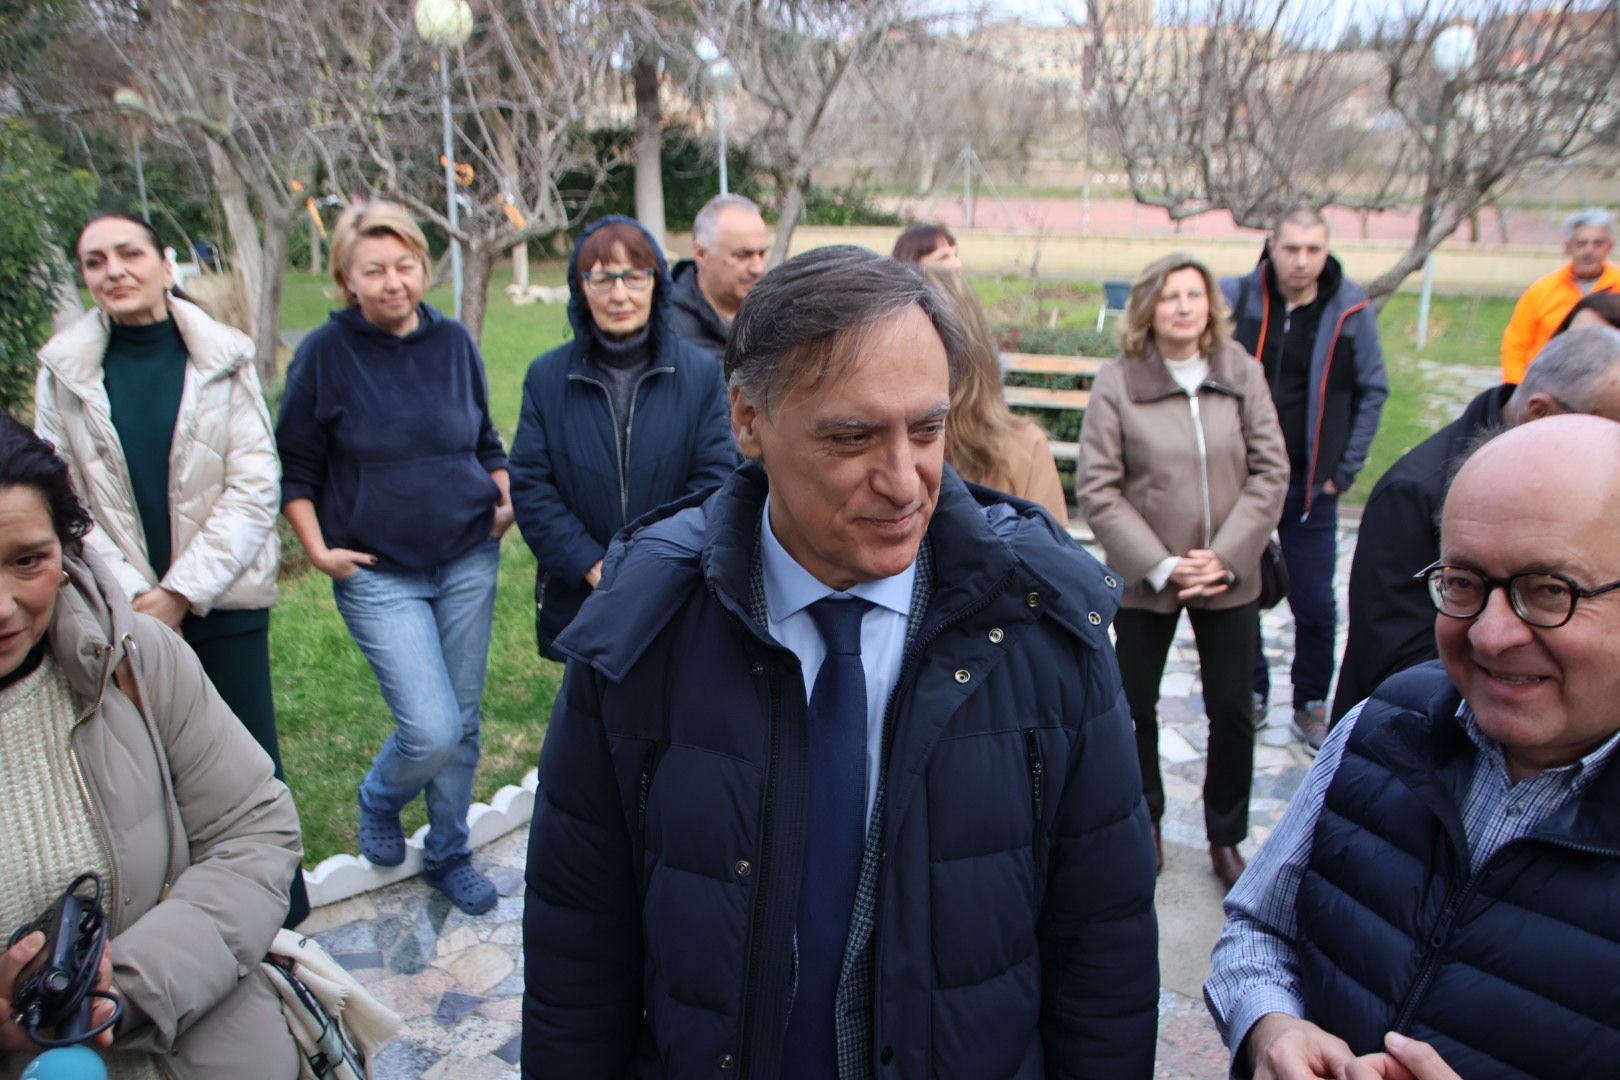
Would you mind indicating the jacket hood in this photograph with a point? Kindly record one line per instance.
(75, 355)
(429, 321)
(91, 626)
(979, 537)
(579, 311)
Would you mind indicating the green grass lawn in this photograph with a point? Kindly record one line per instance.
(330, 713)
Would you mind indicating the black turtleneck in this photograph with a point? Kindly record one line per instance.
(144, 371)
(621, 362)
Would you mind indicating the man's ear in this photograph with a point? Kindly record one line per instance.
(745, 418)
(1540, 406)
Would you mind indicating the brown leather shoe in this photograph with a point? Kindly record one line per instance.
(1158, 849)
(1228, 864)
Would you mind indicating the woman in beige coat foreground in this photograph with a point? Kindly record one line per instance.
(119, 757)
(157, 410)
(1182, 476)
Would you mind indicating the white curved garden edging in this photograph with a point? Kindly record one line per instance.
(341, 876)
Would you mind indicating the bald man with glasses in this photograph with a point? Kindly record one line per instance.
(1439, 899)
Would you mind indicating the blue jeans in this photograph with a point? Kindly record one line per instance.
(426, 635)
(1310, 551)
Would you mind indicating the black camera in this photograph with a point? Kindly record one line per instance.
(56, 989)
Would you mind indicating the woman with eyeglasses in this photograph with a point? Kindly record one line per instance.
(395, 482)
(622, 419)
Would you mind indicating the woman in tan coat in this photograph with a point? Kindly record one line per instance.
(986, 442)
(1182, 476)
(119, 757)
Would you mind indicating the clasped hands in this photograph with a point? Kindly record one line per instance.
(1200, 573)
(1286, 1048)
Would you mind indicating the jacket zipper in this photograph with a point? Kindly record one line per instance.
(1203, 464)
(1037, 787)
(763, 867)
(1448, 915)
(1321, 405)
(90, 803)
(621, 452)
(649, 763)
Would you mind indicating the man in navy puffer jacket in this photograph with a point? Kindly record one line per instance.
(986, 862)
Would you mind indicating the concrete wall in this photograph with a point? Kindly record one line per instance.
(1485, 269)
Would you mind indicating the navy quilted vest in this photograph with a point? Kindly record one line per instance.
(1511, 973)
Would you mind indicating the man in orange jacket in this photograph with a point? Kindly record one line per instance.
(1588, 240)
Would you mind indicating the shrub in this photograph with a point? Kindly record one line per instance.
(41, 202)
(1058, 340)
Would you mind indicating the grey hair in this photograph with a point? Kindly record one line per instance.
(707, 222)
(1572, 368)
(806, 320)
(1592, 217)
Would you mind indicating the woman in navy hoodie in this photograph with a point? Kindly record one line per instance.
(396, 483)
(624, 418)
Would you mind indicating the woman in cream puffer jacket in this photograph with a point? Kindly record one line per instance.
(158, 410)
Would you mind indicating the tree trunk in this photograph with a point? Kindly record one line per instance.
(792, 207)
(247, 255)
(520, 268)
(477, 266)
(1382, 287)
(649, 147)
(267, 325)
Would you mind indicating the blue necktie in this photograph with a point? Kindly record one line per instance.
(834, 839)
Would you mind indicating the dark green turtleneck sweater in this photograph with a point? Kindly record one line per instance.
(144, 372)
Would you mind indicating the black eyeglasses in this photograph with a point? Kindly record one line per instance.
(1540, 599)
(602, 281)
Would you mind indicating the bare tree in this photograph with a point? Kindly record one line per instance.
(1232, 105)
(520, 91)
(222, 75)
(793, 57)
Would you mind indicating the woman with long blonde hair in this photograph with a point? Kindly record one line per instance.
(985, 441)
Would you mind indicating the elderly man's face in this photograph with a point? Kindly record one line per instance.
(737, 261)
(855, 463)
(1548, 696)
(1588, 248)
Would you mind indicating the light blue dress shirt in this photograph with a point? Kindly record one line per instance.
(790, 589)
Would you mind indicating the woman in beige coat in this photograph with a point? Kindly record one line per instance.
(120, 758)
(985, 441)
(1182, 476)
(157, 410)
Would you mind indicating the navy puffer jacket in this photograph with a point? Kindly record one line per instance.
(568, 491)
(1507, 972)
(1015, 933)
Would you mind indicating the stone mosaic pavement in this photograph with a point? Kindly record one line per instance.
(457, 980)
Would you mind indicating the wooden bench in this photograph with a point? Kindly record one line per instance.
(1084, 368)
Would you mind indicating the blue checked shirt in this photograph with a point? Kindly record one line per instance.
(1256, 966)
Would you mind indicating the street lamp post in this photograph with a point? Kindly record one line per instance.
(1453, 51)
(447, 24)
(720, 72)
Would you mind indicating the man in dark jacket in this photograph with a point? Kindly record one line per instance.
(840, 782)
(729, 246)
(1312, 329)
(1391, 618)
(1439, 896)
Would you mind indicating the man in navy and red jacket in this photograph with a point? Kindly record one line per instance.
(1317, 336)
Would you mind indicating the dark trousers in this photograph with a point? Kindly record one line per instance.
(1225, 639)
(1310, 551)
(239, 667)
